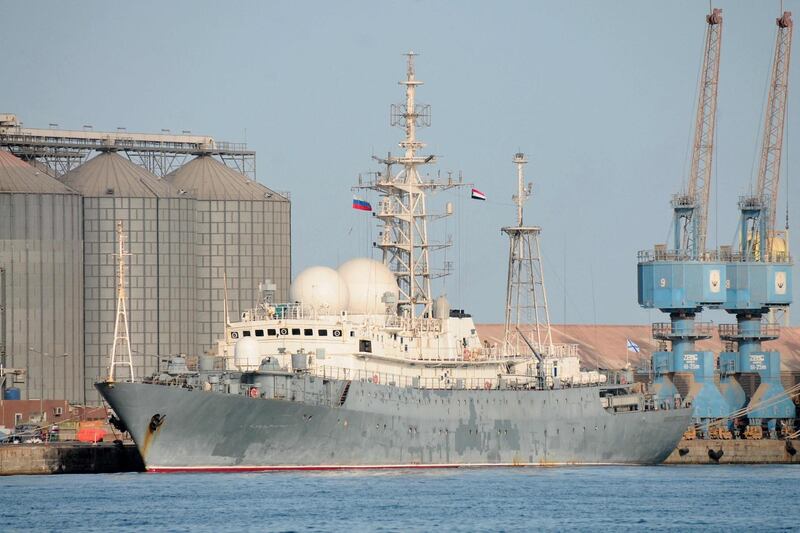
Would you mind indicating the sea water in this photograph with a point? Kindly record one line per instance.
(677, 498)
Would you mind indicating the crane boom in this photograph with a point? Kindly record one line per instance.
(772, 142)
(703, 147)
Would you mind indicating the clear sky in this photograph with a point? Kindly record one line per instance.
(600, 95)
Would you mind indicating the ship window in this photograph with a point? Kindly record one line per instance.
(58, 411)
(352, 333)
(271, 332)
(259, 333)
(295, 331)
(308, 332)
(337, 333)
(323, 333)
(365, 346)
(234, 334)
(246, 333)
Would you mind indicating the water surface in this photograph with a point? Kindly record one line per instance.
(676, 498)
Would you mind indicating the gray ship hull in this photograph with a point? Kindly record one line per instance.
(378, 426)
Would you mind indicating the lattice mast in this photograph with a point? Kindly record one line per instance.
(769, 168)
(526, 297)
(402, 208)
(121, 332)
(691, 207)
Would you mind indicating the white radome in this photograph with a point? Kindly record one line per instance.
(320, 289)
(246, 354)
(368, 281)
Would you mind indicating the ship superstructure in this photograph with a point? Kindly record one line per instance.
(381, 317)
(363, 367)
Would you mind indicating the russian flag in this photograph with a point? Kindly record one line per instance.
(632, 346)
(478, 195)
(361, 205)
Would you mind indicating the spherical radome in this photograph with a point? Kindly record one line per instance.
(246, 353)
(321, 289)
(368, 281)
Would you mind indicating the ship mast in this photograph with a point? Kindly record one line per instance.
(121, 332)
(526, 297)
(402, 208)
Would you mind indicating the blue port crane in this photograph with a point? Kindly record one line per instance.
(684, 279)
(759, 267)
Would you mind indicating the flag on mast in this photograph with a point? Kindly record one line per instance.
(361, 205)
(632, 346)
(477, 195)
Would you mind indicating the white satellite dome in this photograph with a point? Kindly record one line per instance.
(321, 289)
(246, 354)
(369, 281)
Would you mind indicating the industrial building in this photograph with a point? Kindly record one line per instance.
(242, 233)
(42, 292)
(160, 232)
(62, 193)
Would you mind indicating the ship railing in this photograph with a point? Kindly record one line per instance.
(414, 325)
(445, 381)
(559, 350)
(555, 350)
(442, 382)
(393, 321)
(284, 311)
(276, 311)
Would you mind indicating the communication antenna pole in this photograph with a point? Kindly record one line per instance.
(121, 332)
(526, 297)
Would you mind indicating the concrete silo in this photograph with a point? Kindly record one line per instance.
(41, 252)
(242, 229)
(159, 225)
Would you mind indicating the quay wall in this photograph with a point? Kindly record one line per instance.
(765, 451)
(68, 458)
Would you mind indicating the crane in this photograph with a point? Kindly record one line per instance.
(691, 207)
(683, 280)
(769, 169)
(759, 273)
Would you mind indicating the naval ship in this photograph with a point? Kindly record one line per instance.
(364, 368)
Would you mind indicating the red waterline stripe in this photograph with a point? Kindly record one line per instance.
(222, 469)
(168, 469)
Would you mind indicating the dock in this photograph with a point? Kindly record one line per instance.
(737, 451)
(69, 458)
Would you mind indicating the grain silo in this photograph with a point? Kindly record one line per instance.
(242, 230)
(159, 224)
(41, 253)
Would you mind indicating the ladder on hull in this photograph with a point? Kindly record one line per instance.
(343, 397)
